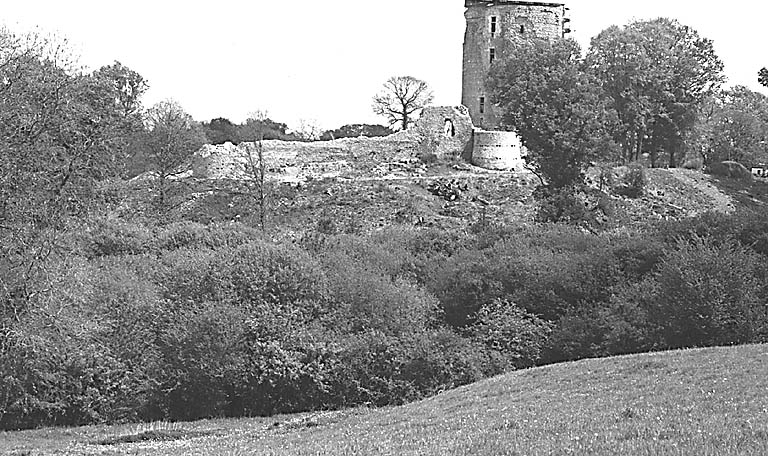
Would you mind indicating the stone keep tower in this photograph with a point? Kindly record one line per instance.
(489, 24)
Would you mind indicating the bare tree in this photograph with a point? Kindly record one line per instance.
(400, 99)
(308, 130)
(258, 188)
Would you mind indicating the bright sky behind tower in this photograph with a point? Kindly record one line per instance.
(324, 60)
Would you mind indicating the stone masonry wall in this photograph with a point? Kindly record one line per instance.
(491, 25)
(444, 131)
(499, 150)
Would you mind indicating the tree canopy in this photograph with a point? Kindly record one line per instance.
(557, 108)
(658, 74)
(400, 99)
(738, 127)
(60, 131)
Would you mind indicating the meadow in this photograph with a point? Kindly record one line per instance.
(705, 402)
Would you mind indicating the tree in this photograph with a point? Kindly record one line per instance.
(221, 130)
(61, 137)
(658, 73)
(171, 139)
(127, 86)
(308, 130)
(557, 109)
(260, 126)
(400, 99)
(739, 127)
(356, 130)
(763, 77)
(257, 187)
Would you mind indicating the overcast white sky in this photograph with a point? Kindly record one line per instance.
(324, 60)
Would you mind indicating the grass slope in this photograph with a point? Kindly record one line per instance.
(702, 402)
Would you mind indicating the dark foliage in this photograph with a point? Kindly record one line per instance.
(356, 130)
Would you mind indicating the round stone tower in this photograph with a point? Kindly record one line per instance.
(490, 23)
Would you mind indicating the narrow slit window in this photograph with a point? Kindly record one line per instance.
(494, 26)
(522, 29)
(482, 105)
(492, 55)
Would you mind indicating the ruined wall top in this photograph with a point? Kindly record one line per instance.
(470, 3)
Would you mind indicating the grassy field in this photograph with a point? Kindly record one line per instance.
(693, 402)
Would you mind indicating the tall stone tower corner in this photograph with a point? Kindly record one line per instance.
(490, 25)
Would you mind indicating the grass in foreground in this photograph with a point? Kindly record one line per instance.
(702, 402)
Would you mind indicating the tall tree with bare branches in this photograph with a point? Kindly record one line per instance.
(400, 99)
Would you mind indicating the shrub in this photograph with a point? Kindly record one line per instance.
(83, 351)
(113, 237)
(263, 273)
(517, 335)
(191, 235)
(730, 169)
(619, 326)
(637, 255)
(368, 299)
(199, 349)
(464, 283)
(381, 369)
(440, 359)
(278, 376)
(632, 184)
(711, 294)
(561, 205)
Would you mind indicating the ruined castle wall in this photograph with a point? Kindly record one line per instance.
(491, 26)
(444, 131)
(499, 150)
(294, 160)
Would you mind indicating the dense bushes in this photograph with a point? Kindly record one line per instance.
(186, 321)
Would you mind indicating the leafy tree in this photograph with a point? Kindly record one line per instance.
(172, 137)
(61, 137)
(558, 109)
(400, 99)
(658, 74)
(763, 77)
(356, 130)
(221, 130)
(739, 127)
(128, 87)
(259, 126)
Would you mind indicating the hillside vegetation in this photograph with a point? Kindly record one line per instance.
(704, 402)
(184, 321)
(366, 277)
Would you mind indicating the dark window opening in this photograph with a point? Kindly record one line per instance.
(493, 26)
(449, 130)
(522, 29)
(492, 55)
(482, 105)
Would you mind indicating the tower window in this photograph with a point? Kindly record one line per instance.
(482, 105)
(492, 55)
(522, 29)
(494, 25)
